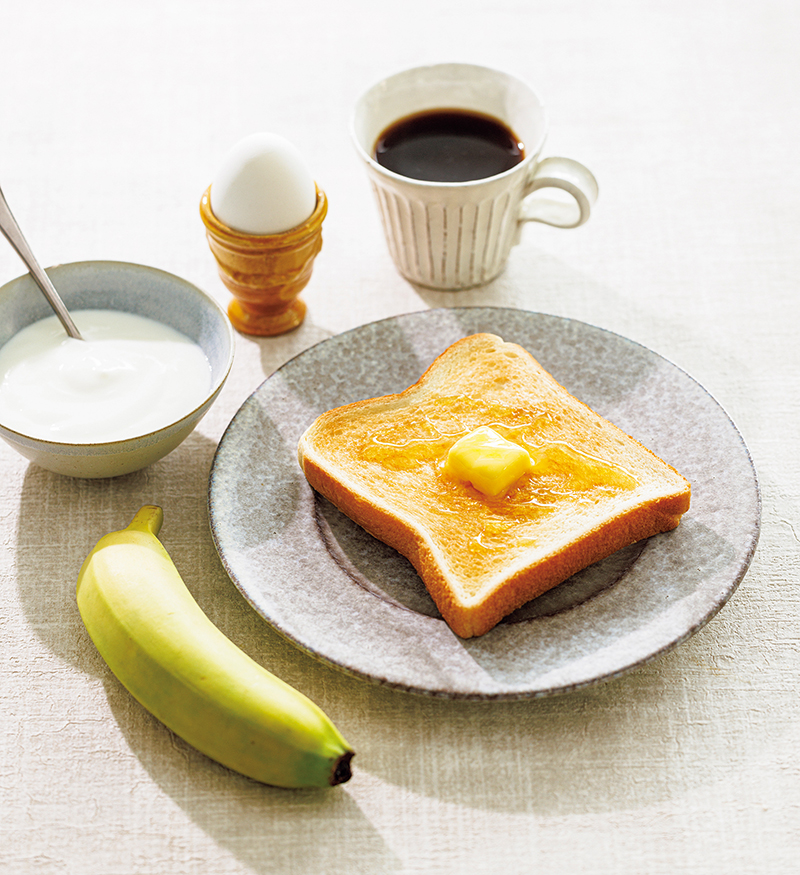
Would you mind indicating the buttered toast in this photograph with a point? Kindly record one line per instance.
(493, 480)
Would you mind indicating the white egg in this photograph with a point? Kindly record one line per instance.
(263, 186)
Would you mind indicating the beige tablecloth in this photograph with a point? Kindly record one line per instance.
(114, 117)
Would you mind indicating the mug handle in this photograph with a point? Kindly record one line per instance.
(566, 174)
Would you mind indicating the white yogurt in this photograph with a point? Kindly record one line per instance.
(129, 376)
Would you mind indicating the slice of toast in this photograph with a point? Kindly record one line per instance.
(589, 491)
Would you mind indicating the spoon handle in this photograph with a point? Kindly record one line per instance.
(11, 231)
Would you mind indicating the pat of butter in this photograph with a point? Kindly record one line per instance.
(488, 461)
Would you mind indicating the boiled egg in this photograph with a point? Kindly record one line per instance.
(263, 186)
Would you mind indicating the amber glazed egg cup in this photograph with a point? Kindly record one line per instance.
(265, 273)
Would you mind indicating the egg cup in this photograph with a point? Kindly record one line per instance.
(265, 273)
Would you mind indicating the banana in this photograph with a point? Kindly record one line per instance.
(174, 661)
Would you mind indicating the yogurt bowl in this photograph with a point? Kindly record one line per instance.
(142, 291)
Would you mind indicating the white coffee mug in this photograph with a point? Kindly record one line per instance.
(456, 235)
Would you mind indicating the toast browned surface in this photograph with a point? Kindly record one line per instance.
(592, 489)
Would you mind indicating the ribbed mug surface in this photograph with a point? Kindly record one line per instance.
(443, 245)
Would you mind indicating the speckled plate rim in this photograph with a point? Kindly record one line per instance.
(271, 534)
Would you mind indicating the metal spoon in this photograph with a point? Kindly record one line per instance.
(12, 233)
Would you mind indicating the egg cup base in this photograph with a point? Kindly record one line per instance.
(266, 324)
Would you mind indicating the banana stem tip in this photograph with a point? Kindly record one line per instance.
(342, 771)
(148, 519)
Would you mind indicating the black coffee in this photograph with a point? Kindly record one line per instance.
(448, 145)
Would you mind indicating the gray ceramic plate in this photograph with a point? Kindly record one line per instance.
(349, 600)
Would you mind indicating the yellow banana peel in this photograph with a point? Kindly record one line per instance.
(156, 639)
